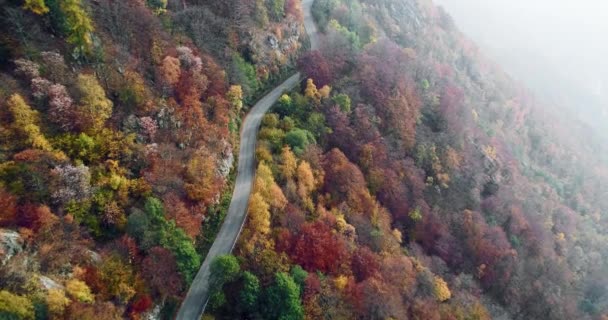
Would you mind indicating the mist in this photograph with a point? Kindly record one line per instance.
(557, 48)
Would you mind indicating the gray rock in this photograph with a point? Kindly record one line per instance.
(11, 244)
(49, 283)
(273, 41)
(153, 314)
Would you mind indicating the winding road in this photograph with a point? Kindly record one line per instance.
(195, 302)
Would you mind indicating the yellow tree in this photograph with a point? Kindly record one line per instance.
(441, 291)
(95, 108)
(288, 163)
(79, 290)
(25, 121)
(324, 92)
(36, 6)
(306, 184)
(56, 301)
(259, 222)
(235, 97)
(16, 306)
(306, 180)
(266, 186)
(311, 92)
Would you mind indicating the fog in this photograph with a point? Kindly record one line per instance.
(558, 48)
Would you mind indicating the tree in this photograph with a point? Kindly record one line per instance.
(12, 305)
(306, 184)
(259, 216)
(118, 277)
(260, 13)
(56, 301)
(94, 107)
(8, 203)
(343, 101)
(311, 92)
(170, 71)
(315, 67)
(224, 269)
(317, 248)
(250, 293)
(159, 6)
(78, 25)
(61, 107)
(235, 97)
(79, 291)
(294, 8)
(25, 121)
(298, 139)
(364, 264)
(160, 271)
(282, 299)
(36, 6)
(244, 73)
(71, 183)
(299, 275)
(288, 163)
(441, 291)
(276, 9)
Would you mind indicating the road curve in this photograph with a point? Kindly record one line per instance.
(195, 302)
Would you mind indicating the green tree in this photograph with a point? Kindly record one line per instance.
(150, 228)
(260, 13)
(282, 299)
(250, 292)
(78, 25)
(276, 9)
(298, 139)
(343, 101)
(299, 275)
(224, 269)
(243, 72)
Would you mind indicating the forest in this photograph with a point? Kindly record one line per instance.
(407, 177)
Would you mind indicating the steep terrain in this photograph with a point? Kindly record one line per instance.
(406, 178)
(118, 126)
(411, 179)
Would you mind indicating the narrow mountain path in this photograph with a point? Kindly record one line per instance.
(195, 302)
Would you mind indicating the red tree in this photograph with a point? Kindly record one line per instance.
(364, 263)
(317, 248)
(160, 271)
(314, 65)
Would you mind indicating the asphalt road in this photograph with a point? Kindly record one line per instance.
(195, 302)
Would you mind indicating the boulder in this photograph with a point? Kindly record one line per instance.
(11, 244)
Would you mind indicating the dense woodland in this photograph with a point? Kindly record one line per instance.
(407, 178)
(118, 126)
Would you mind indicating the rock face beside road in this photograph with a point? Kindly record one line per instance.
(194, 304)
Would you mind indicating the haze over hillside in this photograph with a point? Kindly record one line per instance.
(555, 47)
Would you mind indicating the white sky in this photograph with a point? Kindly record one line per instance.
(556, 46)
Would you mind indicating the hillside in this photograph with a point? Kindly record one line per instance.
(407, 177)
(410, 178)
(119, 122)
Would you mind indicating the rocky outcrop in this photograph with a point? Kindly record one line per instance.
(11, 244)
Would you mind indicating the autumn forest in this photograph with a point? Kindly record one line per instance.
(406, 176)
